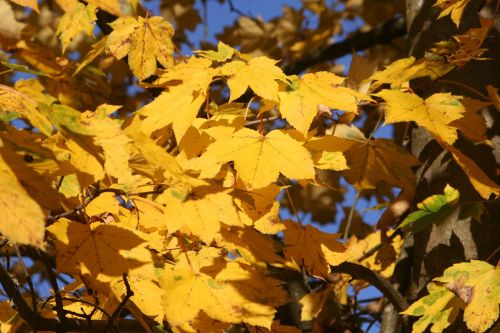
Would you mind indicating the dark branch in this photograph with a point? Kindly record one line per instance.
(359, 41)
(37, 322)
(366, 274)
(119, 308)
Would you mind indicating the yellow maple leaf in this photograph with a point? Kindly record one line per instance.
(79, 19)
(177, 106)
(373, 161)
(103, 251)
(435, 113)
(454, 8)
(23, 221)
(260, 74)
(201, 213)
(471, 286)
(483, 184)
(145, 41)
(230, 292)
(313, 303)
(438, 309)
(303, 246)
(477, 283)
(300, 105)
(147, 291)
(13, 100)
(406, 69)
(252, 246)
(259, 159)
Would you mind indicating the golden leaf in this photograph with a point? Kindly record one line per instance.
(483, 299)
(454, 8)
(23, 221)
(300, 105)
(435, 113)
(103, 251)
(145, 41)
(79, 19)
(259, 159)
(303, 246)
(481, 182)
(260, 74)
(230, 292)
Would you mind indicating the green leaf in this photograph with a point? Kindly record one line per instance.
(434, 209)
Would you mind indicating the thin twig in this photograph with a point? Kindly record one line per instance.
(351, 215)
(61, 312)
(27, 277)
(118, 310)
(258, 121)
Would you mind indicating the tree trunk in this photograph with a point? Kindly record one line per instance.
(459, 237)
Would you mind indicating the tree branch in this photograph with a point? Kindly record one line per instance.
(37, 322)
(366, 274)
(359, 41)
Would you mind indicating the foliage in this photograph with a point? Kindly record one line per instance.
(154, 186)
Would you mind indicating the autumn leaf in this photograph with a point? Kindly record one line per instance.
(145, 41)
(301, 104)
(224, 52)
(406, 69)
(435, 113)
(12, 100)
(303, 246)
(438, 309)
(380, 160)
(434, 209)
(194, 285)
(471, 286)
(259, 159)
(23, 221)
(454, 8)
(102, 251)
(79, 19)
(479, 180)
(313, 303)
(260, 74)
(482, 282)
(201, 213)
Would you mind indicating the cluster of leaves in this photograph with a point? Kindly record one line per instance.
(171, 209)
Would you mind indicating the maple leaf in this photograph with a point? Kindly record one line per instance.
(147, 291)
(479, 180)
(303, 246)
(103, 251)
(224, 52)
(300, 105)
(406, 69)
(480, 282)
(313, 303)
(373, 161)
(434, 209)
(13, 100)
(79, 19)
(259, 73)
(145, 41)
(438, 309)
(251, 245)
(471, 286)
(226, 291)
(201, 213)
(23, 219)
(435, 113)
(454, 8)
(259, 159)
